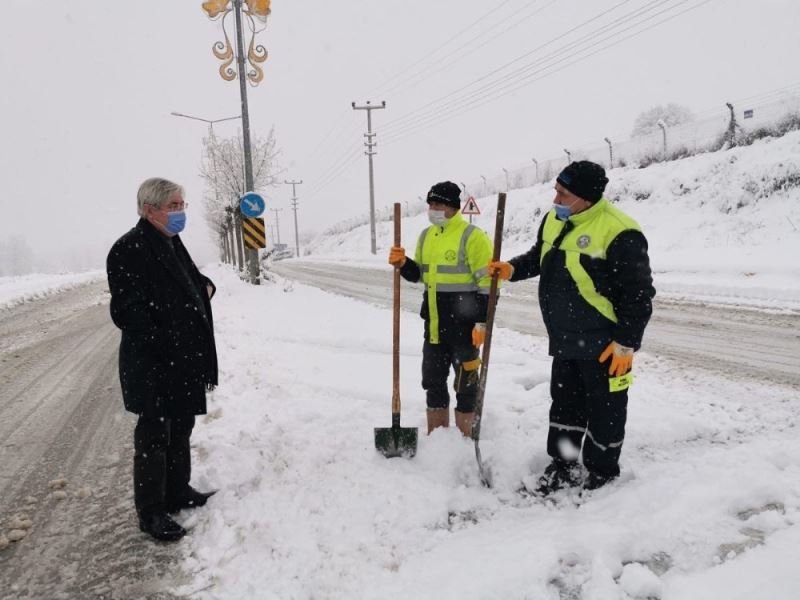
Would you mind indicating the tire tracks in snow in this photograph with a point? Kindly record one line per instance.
(66, 458)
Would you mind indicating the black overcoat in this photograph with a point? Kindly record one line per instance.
(167, 355)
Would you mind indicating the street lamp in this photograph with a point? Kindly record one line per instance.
(506, 172)
(536, 162)
(213, 154)
(256, 10)
(569, 156)
(610, 153)
(484, 186)
(663, 127)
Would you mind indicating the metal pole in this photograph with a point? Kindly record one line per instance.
(277, 223)
(506, 172)
(484, 186)
(610, 153)
(569, 156)
(252, 255)
(664, 135)
(294, 183)
(370, 145)
(536, 162)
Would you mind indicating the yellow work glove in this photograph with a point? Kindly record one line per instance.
(621, 358)
(504, 270)
(478, 334)
(397, 256)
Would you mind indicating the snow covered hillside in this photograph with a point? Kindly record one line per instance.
(723, 225)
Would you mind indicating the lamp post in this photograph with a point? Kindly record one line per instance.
(610, 153)
(484, 185)
(569, 156)
(212, 141)
(506, 172)
(536, 162)
(252, 11)
(663, 127)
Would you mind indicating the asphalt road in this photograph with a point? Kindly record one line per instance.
(736, 341)
(66, 456)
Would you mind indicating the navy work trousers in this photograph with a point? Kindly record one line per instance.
(586, 414)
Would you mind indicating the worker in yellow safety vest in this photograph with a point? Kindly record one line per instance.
(595, 293)
(451, 260)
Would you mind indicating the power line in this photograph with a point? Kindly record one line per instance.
(479, 98)
(494, 78)
(439, 68)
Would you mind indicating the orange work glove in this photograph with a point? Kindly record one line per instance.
(397, 256)
(621, 358)
(478, 334)
(504, 270)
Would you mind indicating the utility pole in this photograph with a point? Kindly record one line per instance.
(277, 223)
(610, 153)
(370, 145)
(294, 183)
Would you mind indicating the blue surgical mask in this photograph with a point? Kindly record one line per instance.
(176, 221)
(562, 212)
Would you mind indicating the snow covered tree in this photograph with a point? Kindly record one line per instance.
(222, 167)
(671, 114)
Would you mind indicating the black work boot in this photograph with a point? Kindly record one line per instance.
(161, 526)
(191, 498)
(595, 480)
(558, 475)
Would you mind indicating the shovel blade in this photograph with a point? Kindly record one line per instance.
(393, 442)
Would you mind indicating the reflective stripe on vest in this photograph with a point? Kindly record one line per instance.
(445, 278)
(594, 230)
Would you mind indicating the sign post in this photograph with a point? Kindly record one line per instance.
(470, 208)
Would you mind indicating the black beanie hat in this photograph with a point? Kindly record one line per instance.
(584, 179)
(447, 193)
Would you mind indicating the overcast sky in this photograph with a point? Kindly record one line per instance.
(88, 87)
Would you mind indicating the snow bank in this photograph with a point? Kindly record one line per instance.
(24, 288)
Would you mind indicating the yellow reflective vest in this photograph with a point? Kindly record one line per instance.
(453, 261)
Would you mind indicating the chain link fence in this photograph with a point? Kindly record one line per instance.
(727, 127)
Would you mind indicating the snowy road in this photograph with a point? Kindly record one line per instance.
(65, 456)
(730, 340)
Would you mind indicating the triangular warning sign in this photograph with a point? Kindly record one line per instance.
(470, 207)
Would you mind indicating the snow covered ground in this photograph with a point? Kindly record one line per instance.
(723, 226)
(24, 288)
(707, 505)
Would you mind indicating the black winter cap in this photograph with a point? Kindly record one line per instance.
(447, 193)
(584, 179)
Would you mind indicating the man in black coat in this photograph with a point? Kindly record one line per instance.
(167, 355)
(595, 294)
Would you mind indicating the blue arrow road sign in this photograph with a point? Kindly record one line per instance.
(251, 205)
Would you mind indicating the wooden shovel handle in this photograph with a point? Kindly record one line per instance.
(396, 321)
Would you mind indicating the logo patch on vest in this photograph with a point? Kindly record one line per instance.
(584, 241)
(450, 255)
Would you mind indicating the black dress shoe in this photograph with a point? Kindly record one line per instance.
(161, 526)
(190, 499)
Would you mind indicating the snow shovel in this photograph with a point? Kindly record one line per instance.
(395, 440)
(483, 470)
